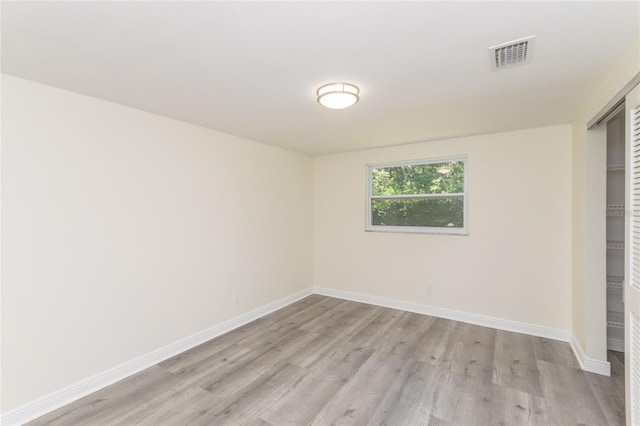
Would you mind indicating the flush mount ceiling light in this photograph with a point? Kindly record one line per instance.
(338, 95)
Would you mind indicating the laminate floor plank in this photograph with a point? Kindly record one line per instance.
(323, 347)
(412, 398)
(577, 406)
(471, 366)
(554, 352)
(305, 310)
(618, 357)
(269, 337)
(513, 407)
(256, 397)
(326, 378)
(111, 404)
(345, 320)
(609, 391)
(435, 421)
(281, 326)
(380, 327)
(297, 308)
(440, 343)
(215, 345)
(177, 407)
(219, 368)
(327, 361)
(231, 382)
(200, 366)
(470, 409)
(514, 363)
(408, 334)
(356, 402)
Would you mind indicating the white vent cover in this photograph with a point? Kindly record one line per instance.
(516, 52)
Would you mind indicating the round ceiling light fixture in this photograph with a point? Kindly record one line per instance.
(338, 95)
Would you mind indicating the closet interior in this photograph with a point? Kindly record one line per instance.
(615, 231)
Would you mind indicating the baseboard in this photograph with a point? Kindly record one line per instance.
(589, 364)
(483, 320)
(48, 403)
(615, 345)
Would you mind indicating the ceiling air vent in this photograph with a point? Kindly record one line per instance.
(516, 52)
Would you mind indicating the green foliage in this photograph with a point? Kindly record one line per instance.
(439, 212)
(416, 180)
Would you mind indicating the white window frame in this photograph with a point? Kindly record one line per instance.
(418, 229)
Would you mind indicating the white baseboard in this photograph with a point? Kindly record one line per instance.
(615, 345)
(591, 365)
(48, 403)
(483, 320)
(587, 364)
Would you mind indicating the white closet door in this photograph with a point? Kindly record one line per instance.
(632, 257)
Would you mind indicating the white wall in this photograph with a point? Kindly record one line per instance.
(124, 231)
(515, 262)
(589, 208)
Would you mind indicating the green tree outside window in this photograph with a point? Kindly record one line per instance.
(429, 194)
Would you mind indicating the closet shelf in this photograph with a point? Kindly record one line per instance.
(614, 281)
(615, 167)
(615, 319)
(615, 245)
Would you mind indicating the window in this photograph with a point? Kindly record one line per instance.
(418, 196)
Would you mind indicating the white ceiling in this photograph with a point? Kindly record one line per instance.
(252, 68)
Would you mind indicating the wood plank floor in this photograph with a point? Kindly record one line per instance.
(325, 361)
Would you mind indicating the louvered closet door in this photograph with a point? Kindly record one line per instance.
(632, 255)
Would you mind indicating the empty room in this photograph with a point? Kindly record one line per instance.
(320, 213)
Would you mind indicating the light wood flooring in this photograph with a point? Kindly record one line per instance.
(326, 361)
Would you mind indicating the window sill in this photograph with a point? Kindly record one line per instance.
(418, 230)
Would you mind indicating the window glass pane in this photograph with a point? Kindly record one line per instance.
(431, 212)
(433, 178)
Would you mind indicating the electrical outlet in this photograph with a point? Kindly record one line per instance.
(235, 296)
(429, 289)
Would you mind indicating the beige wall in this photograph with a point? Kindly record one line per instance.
(588, 216)
(124, 231)
(514, 264)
